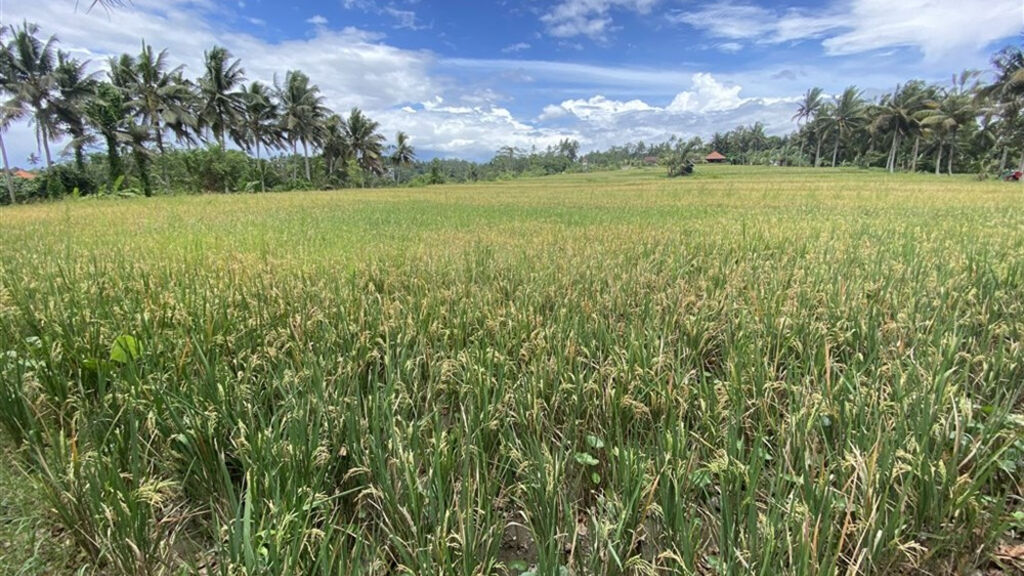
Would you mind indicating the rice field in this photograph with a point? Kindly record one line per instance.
(750, 371)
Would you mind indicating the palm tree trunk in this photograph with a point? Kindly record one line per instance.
(46, 147)
(295, 169)
(938, 160)
(7, 170)
(160, 147)
(305, 158)
(913, 163)
(1002, 160)
(259, 166)
(817, 152)
(835, 152)
(1021, 162)
(949, 162)
(896, 149)
(159, 136)
(888, 156)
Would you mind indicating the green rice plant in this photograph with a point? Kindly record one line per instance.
(750, 371)
(620, 518)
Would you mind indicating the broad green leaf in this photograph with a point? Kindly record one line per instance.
(586, 459)
(124, 349)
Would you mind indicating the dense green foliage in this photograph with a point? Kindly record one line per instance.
(746, 371)
(160, 131)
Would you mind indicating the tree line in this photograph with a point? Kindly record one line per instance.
(145, 126)
(964, 126)
(151, 121)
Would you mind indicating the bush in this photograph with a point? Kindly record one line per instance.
(62, 179)
(215, 169)
(679, 166)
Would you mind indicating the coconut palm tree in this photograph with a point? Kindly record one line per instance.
(844, 116)
(896, 115)
(8, 113)
(107, 113)
(335, 145)
(5, 122)
(75, 86)
(509, 152)
(302, 113)
(1009, 82)
(221, 105)
(105, 4)
(31, 64)
(366, 142)
(1005, 98)
(808, 109)
(948, 114)
(187, 127)
(403, 154)
(137, 137)
(157, 94)
(262, 123)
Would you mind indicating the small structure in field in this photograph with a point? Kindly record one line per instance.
(651, 160)
(715, 158)
(23, 174)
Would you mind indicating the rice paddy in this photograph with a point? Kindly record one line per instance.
(749, 371)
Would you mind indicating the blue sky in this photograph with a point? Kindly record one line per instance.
(465, 78)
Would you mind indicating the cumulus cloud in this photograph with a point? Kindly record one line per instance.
(469, 131)
(707, 95)
(708, 106)
(317, 20)
(597, 108)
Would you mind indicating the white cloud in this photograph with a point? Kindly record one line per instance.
(517, 47)
(359, 4)
(727, 20)
(939, 28)
(708, 106)
(730, 47)
(591, 18)
(708, 95)
(468, 132)
(317, 20)
(597, 108)
(404, 18)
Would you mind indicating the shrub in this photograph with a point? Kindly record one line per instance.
(679, 166)
(62, 179)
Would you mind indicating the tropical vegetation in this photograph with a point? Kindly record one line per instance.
(145, 127)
